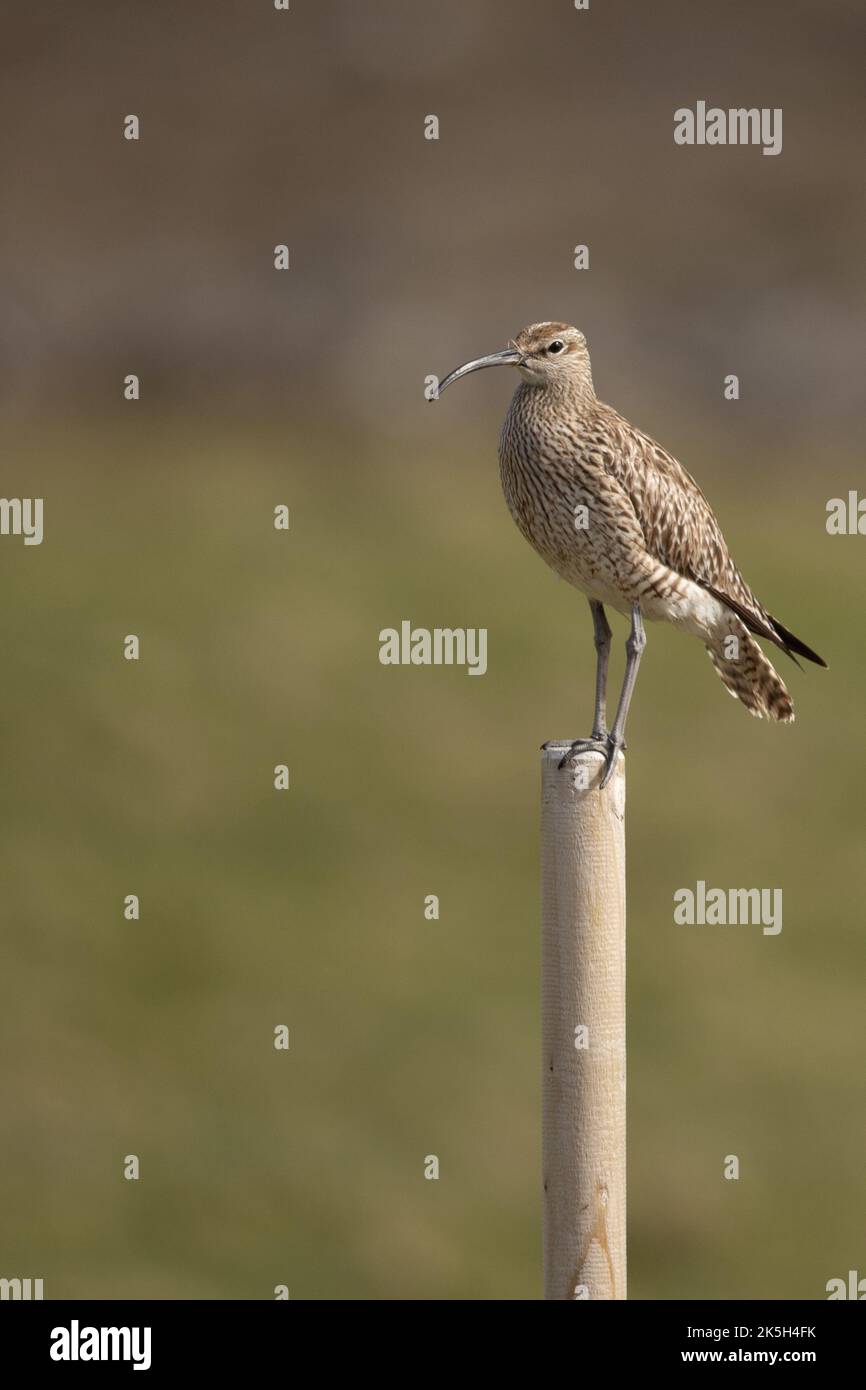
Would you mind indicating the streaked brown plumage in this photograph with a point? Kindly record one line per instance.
(618, 517)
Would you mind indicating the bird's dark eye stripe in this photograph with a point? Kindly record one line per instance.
(556, 346)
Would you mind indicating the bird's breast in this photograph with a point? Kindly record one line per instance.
(548, 493)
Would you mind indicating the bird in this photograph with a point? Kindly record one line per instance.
(618, 517)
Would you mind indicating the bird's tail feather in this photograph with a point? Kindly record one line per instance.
(765, 625)
(749, 676)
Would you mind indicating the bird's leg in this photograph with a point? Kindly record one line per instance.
(602, 648)
(633, 651)
(598, 740)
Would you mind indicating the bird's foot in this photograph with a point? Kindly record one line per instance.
(596, 743)
(604, 743)
(613, 747)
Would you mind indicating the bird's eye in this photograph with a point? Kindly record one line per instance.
(556, 346)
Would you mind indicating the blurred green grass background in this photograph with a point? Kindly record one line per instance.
(408, 1037)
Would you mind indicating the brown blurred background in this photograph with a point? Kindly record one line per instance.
(306, 388)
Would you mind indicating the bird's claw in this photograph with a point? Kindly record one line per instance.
(595, 744)
(605, 744)
(613, 747)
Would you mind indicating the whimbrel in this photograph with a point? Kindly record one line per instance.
(614, 513)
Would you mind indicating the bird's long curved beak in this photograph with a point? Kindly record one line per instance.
(508, 357)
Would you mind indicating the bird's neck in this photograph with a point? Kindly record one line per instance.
(571, 394)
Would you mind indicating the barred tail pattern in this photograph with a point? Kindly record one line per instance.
(751, 678)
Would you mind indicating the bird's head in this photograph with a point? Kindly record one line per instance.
(545, 354)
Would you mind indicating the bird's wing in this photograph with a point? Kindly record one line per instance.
(679, 528)
(677, 522)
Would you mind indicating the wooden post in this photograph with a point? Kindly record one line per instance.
(583, 1027)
